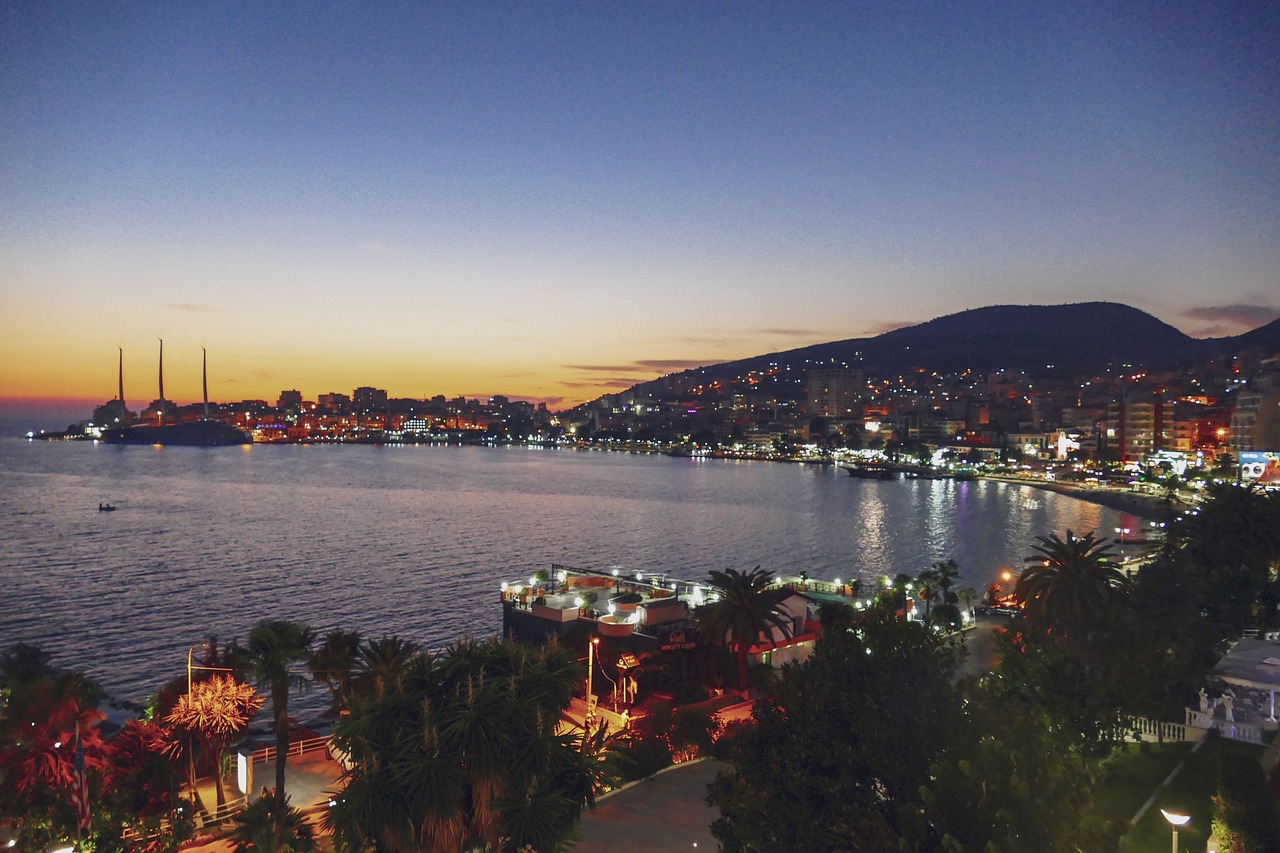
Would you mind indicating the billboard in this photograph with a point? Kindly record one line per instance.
(1259, 466)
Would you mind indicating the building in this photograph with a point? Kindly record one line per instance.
(1137, 428)
(366, 399)
(1255, 422)
(290, 400)
(834, 392)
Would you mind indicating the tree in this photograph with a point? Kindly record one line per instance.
(744, 610)
(851, 733)
(143, 784)
(273, 647)
(968, 595)
(1068, 585)
(1007, 783)
(40, 718)
(382, 663)
(1233, 540)
(935, 584)
(1245, 819)
(271, 824)
(462, 751)
(214, 710)
(333, 664)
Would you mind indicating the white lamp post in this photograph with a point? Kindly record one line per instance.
(1175, 820)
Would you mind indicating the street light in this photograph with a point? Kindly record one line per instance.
(1175, 820)
(1123, 531)
(591, 665)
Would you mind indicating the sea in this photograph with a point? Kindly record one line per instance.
(415, 541)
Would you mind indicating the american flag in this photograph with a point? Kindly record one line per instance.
(80, 787)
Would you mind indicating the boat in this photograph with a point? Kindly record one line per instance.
(106, 508)
(871, 472)
(201, 433)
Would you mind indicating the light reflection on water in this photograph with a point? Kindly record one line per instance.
(415, 540)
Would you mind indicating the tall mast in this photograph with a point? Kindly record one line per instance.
(204, 378)
(161, 381)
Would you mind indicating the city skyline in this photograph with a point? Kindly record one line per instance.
(553, 203)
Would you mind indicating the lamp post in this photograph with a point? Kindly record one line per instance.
(591, 665)
(1123, 531)
(1175, 820)
(191, 666)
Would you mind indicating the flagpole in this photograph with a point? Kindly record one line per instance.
(79, 763)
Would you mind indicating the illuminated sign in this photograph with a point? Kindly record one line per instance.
(1260, 466)
(677, 641)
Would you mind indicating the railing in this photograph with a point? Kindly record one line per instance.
(164, 827)
(1244, 732)
(1143, 726)
(297, 747)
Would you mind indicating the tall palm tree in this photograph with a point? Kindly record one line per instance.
(273, 647)
(214, 710)
(1069, 583)
(744, 610)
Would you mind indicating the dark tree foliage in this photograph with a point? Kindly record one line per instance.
(1008, 784)
(850, 734)
(1245, 819)
(1233, 543)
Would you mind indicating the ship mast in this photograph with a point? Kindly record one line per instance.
(161, 381)
(124, 410)
(204, 378)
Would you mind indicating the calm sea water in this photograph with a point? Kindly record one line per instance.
(414, 541)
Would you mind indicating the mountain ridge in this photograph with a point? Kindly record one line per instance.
(1074, 338)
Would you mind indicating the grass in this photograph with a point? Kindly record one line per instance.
(1190, 793)
(1132, 775)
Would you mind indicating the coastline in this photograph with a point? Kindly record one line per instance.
(1144, 507)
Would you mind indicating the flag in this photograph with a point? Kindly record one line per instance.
(80, 786)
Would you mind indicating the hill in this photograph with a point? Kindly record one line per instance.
(1076, 339)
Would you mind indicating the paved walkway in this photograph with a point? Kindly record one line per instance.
(308, 780)
(665, 812)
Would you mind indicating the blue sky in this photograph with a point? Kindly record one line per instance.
(554, 200)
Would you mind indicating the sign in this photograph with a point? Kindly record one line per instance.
(1260, 467)
(676, 641)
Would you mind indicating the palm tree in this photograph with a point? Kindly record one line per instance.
(271, 824)
(214, 710)
(333, 664)
(274, 646)
(968, 595)
(462, 752)
(382, 663)
(936, 582)
(1069, 583)
(744, 610)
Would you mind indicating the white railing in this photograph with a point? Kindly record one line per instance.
(1244, 732)
(297, 747)
(1143, 726)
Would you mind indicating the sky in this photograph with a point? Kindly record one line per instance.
(556, 200)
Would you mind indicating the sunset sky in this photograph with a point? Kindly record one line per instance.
(553, 200)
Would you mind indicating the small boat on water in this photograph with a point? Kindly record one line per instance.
(106, 508)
